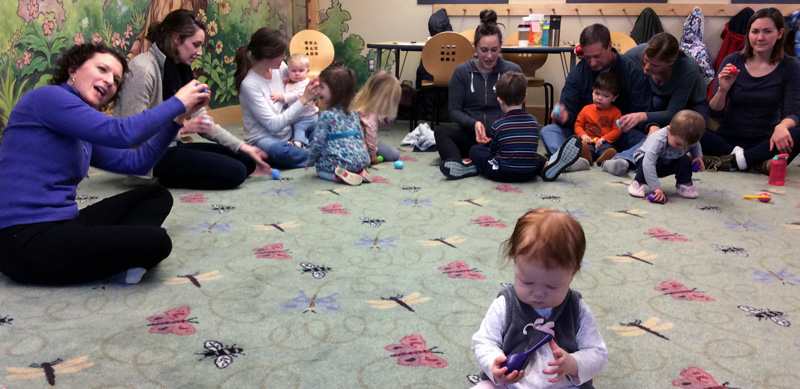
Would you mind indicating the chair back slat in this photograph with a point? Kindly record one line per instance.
(443, 53)
(316, 46)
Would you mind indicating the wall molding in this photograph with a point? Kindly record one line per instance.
(605, 9)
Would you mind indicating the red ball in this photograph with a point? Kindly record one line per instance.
(734, 70)
(578, 50)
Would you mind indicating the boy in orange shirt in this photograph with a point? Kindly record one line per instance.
(596, 123)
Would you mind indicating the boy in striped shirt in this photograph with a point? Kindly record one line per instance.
(511, 154)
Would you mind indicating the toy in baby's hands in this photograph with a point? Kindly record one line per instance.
(652, 199)
(519, 360)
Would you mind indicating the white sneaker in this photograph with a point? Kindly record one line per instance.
(638, 190)
(687, 191)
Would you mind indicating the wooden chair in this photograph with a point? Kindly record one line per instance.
(440, 57)
(622, 41)
(316, 46)
(470, 35)
(530, 63)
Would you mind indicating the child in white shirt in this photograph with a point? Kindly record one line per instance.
(547, 247)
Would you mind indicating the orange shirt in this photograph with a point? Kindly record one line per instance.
(599, 123)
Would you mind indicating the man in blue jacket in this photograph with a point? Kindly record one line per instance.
(598, 57)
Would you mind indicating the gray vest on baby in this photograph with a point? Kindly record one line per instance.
(518, 314)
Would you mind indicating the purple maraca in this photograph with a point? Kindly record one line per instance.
(519, 360)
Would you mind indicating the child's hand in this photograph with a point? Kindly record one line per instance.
(499, 373)
(564, 364)
(658, 195)
(285, 80)
(586, 139)
(699, 161)
(275, 97)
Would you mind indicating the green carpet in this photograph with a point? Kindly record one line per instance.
(243, 266)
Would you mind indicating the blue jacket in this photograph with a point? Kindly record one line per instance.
(51, 139)
(635, 95)
(474, 99)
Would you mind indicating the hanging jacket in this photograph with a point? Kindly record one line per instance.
(647, 25)
(733, 35)
(438, 22)
(793, 37)
(692, 44)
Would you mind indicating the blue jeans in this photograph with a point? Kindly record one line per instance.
(281, 154)
(303, 129)
(553, 135)
(631, 137)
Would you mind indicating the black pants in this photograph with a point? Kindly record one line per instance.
(106, 238)
(203, 166)
(454, 143)
(480, 155)
(681, 168)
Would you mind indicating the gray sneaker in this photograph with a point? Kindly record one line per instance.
(567, 154)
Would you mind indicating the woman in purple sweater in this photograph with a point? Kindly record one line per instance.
(757, 93)
(54, 134)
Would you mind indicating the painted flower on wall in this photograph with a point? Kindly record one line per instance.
(47, 26)
(115, 40)
(20, 65)
(218, 48)
(129, 32)
(33, 9)
(202, 14)
(85, 22)
(228, 60)
(225, 8)
(26, 58)
(96, 38)
(212, 28)
(78, 38)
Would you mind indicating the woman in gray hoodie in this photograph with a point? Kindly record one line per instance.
(473, 99)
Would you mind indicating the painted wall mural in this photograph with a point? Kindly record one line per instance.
(37, 31)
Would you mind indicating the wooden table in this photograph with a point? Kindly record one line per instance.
(417, 46)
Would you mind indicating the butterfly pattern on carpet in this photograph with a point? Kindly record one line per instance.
(412, 351)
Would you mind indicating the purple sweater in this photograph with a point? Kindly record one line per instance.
(51, 139)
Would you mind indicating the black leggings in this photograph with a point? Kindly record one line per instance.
(203, 166)
(106, 238)
(454, 143)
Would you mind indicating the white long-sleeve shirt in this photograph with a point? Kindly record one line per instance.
(260, 115)
(591, 356)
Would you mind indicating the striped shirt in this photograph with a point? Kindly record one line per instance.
(515, 139)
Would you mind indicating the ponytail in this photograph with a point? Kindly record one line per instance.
(243, 65)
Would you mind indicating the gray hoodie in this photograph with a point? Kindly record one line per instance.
(473, 98)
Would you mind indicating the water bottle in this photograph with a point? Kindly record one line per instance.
(777, 170)
(545, 34)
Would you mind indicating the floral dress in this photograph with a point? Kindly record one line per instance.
(338, 142)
